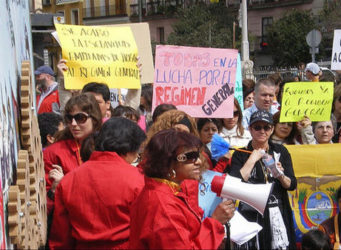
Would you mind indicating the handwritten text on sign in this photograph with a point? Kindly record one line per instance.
(99, 54)
(199, 81)
(312, 99)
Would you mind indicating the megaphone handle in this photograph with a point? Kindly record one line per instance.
(228, 242)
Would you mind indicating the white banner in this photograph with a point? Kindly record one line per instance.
(336, 55)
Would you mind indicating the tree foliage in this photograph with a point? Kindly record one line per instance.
(287, 38)
(204, 25)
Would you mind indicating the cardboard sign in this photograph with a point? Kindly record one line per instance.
(142, 37)
(312, 99)
(336, 55)
(99, 54)
(199, 81)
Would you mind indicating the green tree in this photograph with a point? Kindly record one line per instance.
(204, 25)
(287, 38)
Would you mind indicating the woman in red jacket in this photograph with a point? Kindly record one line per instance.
(162, 217)
(82, 117)
(92, 203)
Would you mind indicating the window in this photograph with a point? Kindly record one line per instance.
(74, 16)
(266, 24)
(161, 34)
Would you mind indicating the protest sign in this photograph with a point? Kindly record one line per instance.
(312, 99)
(199, 81)
(142, 38)
(99, 54)
(336, 55)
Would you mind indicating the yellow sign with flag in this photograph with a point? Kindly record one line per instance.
(99, 54)
(318, 172)
(312, 99)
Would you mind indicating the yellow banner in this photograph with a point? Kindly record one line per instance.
(312, 99)
(318, 172)
(99, 54)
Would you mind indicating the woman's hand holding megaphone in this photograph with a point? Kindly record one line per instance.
(224, 211)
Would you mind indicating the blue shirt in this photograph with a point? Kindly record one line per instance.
(249, 111)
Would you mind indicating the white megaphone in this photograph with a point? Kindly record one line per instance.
(255, 195)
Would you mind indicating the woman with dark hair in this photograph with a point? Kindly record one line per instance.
(292, 133)
(126, 112)
(207, 127)
(284, 132)
(249, 97)
(233, 131)
(160, 109)
(92, 203)
(315, 239)
(82, 117)
(146, 100)
(171, 157)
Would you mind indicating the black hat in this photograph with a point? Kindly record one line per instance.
(261, 116)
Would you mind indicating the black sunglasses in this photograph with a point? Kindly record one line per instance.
(259, 128)
(189, 157)
(235, 113)
(80, 118)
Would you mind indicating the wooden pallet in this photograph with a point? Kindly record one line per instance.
(27, 199)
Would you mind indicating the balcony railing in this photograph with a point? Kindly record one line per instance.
(106, 10)
(155, 7)
(266, 3)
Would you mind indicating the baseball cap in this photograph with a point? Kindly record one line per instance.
(44, 70)
(261, 116)
(313, 68)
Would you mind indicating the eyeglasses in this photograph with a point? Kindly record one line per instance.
(259, 128)
(189, 157)
(80, 118)
(235, 113)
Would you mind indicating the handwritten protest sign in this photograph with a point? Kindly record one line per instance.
(99, 54)
(312, 99)
(199, 81)
(336, 55)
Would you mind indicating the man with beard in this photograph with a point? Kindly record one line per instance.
(48, 100)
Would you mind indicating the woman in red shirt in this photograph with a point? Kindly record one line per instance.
(92, 203)
(82, 117)
(162, 217)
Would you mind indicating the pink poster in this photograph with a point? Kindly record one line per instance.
(199, 81)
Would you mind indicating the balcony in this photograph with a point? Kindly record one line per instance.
(157, 7)
(61, 2)
(262, 4)
(105, 11)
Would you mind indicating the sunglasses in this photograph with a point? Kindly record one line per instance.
(80, 118)
(235, 113)
(189, 157)
(259, 128)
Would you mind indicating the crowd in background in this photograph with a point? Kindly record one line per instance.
(95, 157)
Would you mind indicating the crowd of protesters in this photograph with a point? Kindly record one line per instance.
(127, 177)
